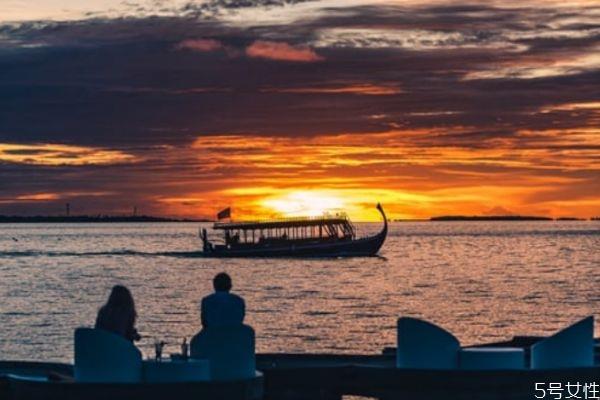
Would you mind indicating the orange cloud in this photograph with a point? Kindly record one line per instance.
(30, 197)
(281, 51)
(61, 154)
(406, 147)
(547, 172)
(590, 105)
(200, 45)
(38, 197)
(533, 67)
(360, 89)
(415, 173)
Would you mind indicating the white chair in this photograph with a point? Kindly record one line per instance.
(102, 356)
(229, 351)
(571, 347)
(424, 345)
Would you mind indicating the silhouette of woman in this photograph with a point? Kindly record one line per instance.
(118, 315)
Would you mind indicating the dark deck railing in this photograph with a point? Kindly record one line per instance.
(284, 222)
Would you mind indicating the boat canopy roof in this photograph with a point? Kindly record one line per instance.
(283, 223)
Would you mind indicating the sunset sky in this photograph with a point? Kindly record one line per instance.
(293, 107)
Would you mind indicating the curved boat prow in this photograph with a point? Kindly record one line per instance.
(380, 209)
(377, 241)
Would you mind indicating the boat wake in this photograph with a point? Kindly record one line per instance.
(131, 253)
(32, 253)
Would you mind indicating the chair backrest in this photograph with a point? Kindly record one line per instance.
(571, 347)
(229, 350)
(102, 356)
(424, 345)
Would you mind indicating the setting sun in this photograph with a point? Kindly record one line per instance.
(304, 203)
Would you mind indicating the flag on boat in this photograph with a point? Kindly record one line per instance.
(226, 213)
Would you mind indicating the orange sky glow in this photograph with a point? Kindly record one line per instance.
(264, 177)
(353, 172)
(287, 108)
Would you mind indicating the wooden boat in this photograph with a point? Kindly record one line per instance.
(328, 236)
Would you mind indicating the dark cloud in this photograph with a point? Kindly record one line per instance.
(213, 7)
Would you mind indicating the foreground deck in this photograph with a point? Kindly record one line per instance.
(59, 388)
(329, 377)
(314, 377)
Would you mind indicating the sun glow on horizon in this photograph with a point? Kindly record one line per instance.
(309, 203)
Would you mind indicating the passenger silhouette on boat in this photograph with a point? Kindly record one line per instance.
(118, 315)
(235, 239)
(222, 308)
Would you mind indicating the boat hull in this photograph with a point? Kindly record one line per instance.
(352, 248)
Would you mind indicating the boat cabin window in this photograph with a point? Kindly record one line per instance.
(288, 230)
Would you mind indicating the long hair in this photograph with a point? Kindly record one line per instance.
(121, 298)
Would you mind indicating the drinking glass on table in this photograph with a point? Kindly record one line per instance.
(158, 348)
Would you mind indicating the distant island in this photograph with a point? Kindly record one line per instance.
(489, 218)
(504, 218)
(91, 218)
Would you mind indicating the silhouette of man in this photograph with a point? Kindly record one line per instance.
(222, 307)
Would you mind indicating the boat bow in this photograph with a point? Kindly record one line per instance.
(385, 221)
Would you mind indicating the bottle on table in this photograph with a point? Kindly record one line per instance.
(158, 348)
(184, 349)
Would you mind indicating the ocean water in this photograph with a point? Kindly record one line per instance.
(484, 281)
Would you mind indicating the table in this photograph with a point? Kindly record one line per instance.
(176, 371)
(492, 358)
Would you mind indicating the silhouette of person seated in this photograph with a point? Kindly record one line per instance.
(222, 308)
(118, 315)
(230, 240)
